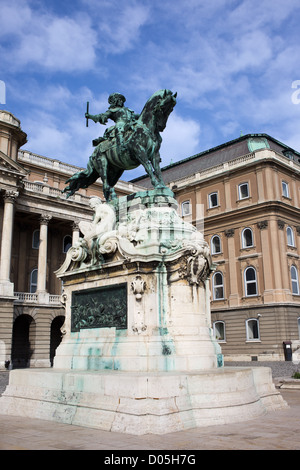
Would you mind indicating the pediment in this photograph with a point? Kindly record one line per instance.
(8, 165)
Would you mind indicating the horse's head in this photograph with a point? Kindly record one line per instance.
(158, 108)
(163, 108)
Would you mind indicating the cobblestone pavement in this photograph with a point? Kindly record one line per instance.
(4, 376)
(279, 368)
(278, 430)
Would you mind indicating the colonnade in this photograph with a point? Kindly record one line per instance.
(6, 286)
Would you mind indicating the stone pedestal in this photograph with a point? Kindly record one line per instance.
(142, 402)
(136, 295)
(138, 354)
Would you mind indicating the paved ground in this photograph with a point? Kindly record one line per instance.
(279, 430)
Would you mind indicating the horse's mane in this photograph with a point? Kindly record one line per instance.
(151, 103)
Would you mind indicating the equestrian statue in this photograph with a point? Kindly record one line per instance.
(134, 140)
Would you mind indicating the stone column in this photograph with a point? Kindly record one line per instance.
(260, 185)
(227, 187)
(234, 292)
(266, 249)
(6, 243)
(285, 287)
(42, 260)
(275, 227)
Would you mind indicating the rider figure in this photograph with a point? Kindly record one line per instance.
(120, 114)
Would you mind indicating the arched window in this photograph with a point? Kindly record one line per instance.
(252, 329)
(36, 239)
(215, 245)
(218, 286)
(247, 238)
(250, 282)
(67, 243)
(219, 330)
(290, 236)
(295, 280)
(33, 280)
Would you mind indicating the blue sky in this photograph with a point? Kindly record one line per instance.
(233, 64)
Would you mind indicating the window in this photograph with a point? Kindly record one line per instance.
(290, 236)
(67, 243)
(33, 280)
(218, 287)
(289, 154)
(295, 280)
(215, 245)
(250, 282)
(247, 238)
(243, 191)
(185, 208)
(285, 189)
(252, 329)
(213, 200)
(219, 330)
(36, 239)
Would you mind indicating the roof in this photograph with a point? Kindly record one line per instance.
(217, 155)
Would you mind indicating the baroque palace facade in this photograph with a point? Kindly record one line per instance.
(244, 194)
(247, 194)
(37, 226)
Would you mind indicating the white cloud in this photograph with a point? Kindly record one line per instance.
(231, 62)
(59, 44)
(55, 121)
(181, 138)
(35, 37)
(120, 29)
(15, 14)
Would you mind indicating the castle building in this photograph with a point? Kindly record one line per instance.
(38, 224)
(244, 194)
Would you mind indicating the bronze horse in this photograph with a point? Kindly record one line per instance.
(142, 142)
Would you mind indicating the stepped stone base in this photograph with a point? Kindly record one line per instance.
(142, 402)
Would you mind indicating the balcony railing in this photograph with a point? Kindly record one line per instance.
(54, 192)
(44, 298)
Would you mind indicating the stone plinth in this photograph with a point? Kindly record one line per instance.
(142, 403)
(138, 354)
(161, 319)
